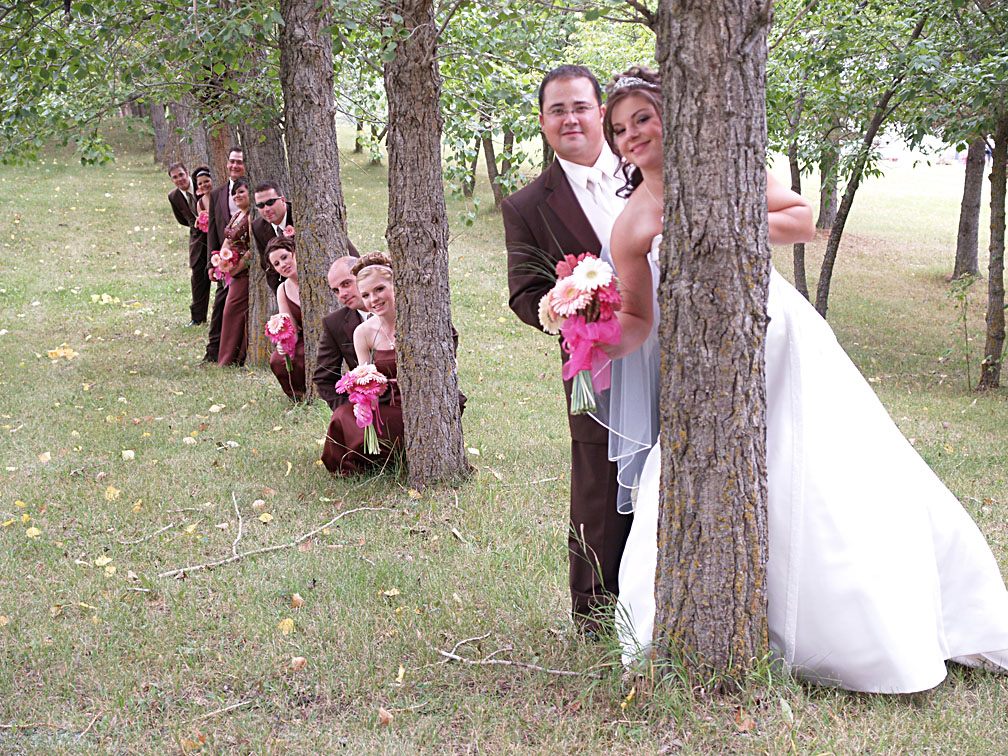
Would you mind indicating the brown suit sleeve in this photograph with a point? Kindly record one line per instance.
(177, 202)
(329, 364)
(529, 276)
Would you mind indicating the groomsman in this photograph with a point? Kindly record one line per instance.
(222, 207)
(183, 204)
(570, 209)
(336, 347)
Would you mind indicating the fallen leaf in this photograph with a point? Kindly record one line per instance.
(629, 697)
(33, 532)
(4, 621)
(743, 721)
(110, 569)
(55, 611)
(8, 523)
(25, 518)
(130, 575)
(258, 504)
(102, 561)
(391, 592)
(19, 504)
(44, 457)
(286, 626)
(265, 517)
(402, 673)
(111, 493)
(136, 505)
(413, 493)
(189, 441)
(305, 546)
(289, 468)
(190, 529)
(297, 601)
(298, 663)
(128, 454)
(384, 716)
(215, 408)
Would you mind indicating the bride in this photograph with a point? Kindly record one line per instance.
(875, 575)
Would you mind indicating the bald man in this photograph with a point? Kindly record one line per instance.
(336, 347)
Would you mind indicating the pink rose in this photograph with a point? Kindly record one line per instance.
(289, 231)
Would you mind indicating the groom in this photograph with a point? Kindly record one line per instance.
(570, 209)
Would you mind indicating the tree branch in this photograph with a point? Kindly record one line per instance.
(801, 14)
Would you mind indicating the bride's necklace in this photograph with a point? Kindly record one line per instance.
(389, 339)
(651, 195)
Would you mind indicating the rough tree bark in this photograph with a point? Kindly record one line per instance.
(966, 262)
(882, 111)
(829, 163)
(358, 146)
(185, 134)
(315, 191)
(990, 370)
(508, 151)
(492, 174)
(712, 532)
(160, 125)
(221, 137)
(547, 153)
(417, 237)
(265, 159)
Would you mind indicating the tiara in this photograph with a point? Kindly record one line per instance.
(625, 82)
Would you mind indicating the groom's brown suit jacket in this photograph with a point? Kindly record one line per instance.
(542, 223)
(186, 217)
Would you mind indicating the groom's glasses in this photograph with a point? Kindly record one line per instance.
(578, 110)
(268, 203)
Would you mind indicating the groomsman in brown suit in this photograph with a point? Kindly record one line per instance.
(336, 347)
(222, 207)
(183, 204)
(570, 209)
(275, 219)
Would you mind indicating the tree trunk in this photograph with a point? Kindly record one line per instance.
(185, 141)
(966, 263)
(375, 154)
(160, 125)
(306, 76)
(417, 237)
(547, 153)
(798, 251)
(829, 165)
(710, 584)
(990, 370)
(358, 146)
(506, 155)
(492, 174)
(265, 159)
(221, 137)
(882, 111)
(469, 187)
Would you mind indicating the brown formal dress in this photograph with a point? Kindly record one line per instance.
(234, 338)
(343, 452)
(543, 222)
(292, 382)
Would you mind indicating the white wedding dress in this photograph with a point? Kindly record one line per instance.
(876, 575)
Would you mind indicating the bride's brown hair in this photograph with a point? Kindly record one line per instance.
(636, 80)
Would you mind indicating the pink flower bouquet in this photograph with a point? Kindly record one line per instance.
(582, 307)
(203, 221)
(224, 262)
(364, 384)
(280, 329)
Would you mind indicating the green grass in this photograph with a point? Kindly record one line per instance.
(126, 662)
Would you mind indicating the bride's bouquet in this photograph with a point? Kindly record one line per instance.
(582, 307)
(364, 384)
(224, 262)
(280, 329)
(203, 221)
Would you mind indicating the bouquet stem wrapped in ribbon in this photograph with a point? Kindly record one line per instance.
(280, 329)
(582, 307)
(363, 385)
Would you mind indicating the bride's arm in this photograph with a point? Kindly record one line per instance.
(362, 341)
(630, 244)
(789, 214)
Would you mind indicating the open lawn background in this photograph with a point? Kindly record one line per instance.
(100, 655)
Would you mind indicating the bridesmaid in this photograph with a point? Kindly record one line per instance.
(281, 255)
(234, 339)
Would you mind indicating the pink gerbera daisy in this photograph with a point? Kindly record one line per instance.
(567, 298)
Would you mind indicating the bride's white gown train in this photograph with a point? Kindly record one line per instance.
(876, 574)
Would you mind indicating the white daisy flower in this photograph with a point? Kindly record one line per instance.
(592, 273)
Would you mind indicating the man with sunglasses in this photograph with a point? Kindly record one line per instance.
(275, 219)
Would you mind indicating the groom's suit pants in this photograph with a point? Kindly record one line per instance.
(597, 535)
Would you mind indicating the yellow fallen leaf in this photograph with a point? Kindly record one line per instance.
(298, 663)
(297, 601)
(401, 675)
(265, 517)
(190, 529)
(289, 468)
(25, 518)
(413, 493)
(110, 569)
(215, 408)
(8, 523)
(384, 716)
(136, 505)
(128, 454)
(102, 561)
(55, 611)
(391, 592)
(189, 441)
(286, 626)
(33, 532)
(111, 493)
(19, 504)
(44, 457)
(4, 621)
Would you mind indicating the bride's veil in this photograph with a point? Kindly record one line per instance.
(633, 409)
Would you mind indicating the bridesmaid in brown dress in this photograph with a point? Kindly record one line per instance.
(374, 342)
(281, 254)
(234, 339)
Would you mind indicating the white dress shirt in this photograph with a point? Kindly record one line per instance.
(595, 189)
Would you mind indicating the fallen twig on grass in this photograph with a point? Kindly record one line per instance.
(178, 572)
(222, 710)
(148, 537)
(36, 725)
(234, 546)
(88, 728)
(489, 660)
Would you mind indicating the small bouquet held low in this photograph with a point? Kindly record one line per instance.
(363, 385)
(582, 307)
(203, 221)
(224, 263)
(280, 329)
